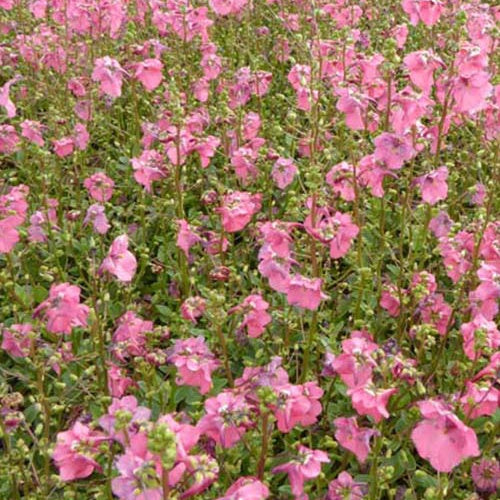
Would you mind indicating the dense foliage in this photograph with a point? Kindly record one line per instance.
(249, 249)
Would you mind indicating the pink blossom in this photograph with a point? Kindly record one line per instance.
(486, 475)
(305, 292)
(62, 309)
(194, 362)
(283, 172)
(81, 136)
(389, 300)
(64, 147)
(436, 312)
(97, 216)
(193, 308)
(5, 100)
(354, 438)
(32, 131)
(345, 487)
(99, 186)
(129, 338)
(75, 451)
(479, 335)
(226, 419)
(118, 383)
(149, 73)
(306, 465)
(297, 405)
(393, 150)
(149, 167)
(442, 438)
(120, 262)
(226, 7)
(433, 185)
(480, 399)
(108, 73)
(186, 237)
(246, 488)
(9, 140)
(421, 66)
(16, 339)
(427, 11)
(237, 210)
(371, 400)
(341, 178)
(470, 93)
(256, 316)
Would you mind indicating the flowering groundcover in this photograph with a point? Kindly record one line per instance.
(249, 249)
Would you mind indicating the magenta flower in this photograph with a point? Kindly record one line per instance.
(353, 438)
(75, 452)
(120, 262)
(99, 186)
(443, 439)
(62, 309)
(306, 465)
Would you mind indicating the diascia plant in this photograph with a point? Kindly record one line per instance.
(249, 249)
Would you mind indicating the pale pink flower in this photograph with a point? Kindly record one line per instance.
(480, 399)
(283, 172)
(149, 73)
(32, 131)
(256, 316)
(193, 308)
(433, 185)
(442, 438)
(186, 237)
(371, 400)
(16, 340)
(99, 186)
(305, 292)
(120, 262)
(353, 438)
(344, 487)
(393, 150)
(108, 73)
(97, 216)
(75, 452)
(149, 167)
(246, 488)
(64, 147)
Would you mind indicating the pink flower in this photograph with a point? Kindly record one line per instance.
(436, 312)
(193, 308)
(149, 167)
(108, 73)
(372, 401)
(120, 262)
(442, 438)
(9, 140)
(64, 147)
(194, 362)
(227, 418)
(340, 177)
(305, 292)
(186, 237)
(75, 451)
(480, 400)
(355, 365)
(226, 7)
(344, 487)
(470, 93)
(129, 338)
(99, 186)
(486, 475)
(306, 465)
(421, 66)
(283, 172)
(256, 318)
(389, 300)
(97, 216)
(62, 309)
(393, 150)
(297, 405)
(246, 488)
(5, 100)
(122, 410)
(149, 73)
(118, 383)
(16, 340)
(32, 131)
(479, 335)
(433, 185)
(237, 210)
(354, 438)
(427, 11)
